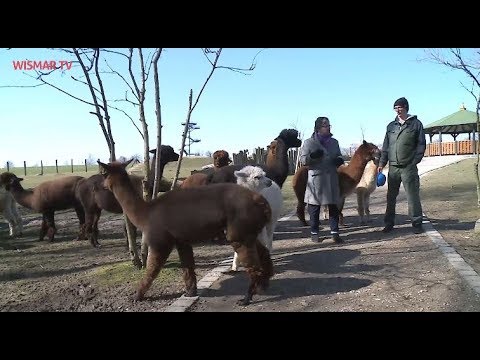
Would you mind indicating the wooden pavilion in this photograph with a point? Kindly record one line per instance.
(460, 122)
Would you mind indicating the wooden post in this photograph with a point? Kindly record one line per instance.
(8, 165)
(86, 165)
(71, 164)
(41, 167)
(56, 165)
(25, 168)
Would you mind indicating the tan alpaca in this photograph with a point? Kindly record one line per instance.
(366, 186)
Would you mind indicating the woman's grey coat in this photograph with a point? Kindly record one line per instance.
(322, 185)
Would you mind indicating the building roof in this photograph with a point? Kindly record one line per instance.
(462, 121)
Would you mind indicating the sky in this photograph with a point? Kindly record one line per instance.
(289, 88)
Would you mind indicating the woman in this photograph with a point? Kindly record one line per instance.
(322, 154)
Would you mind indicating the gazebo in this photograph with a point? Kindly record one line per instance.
(460, 122)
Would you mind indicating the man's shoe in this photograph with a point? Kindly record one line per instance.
(337, 238)
(388, 228)
(418, 229)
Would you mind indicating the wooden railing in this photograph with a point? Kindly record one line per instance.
(451, 148)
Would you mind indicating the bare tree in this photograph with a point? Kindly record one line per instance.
(87, 60)
(454, 59)
(212, 57)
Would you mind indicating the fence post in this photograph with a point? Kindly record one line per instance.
(71, 164)
(41, 167)
(8, 165)
(56, 165)
(86, 165)
(25, 167)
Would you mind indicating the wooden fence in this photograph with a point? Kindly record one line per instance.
(259, 156)
(452, 148)
(40, 170)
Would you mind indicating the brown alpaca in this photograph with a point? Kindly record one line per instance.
(46, 198)
(276, 167)
(221, 158)
(348, 176)
(95, 198)
(182, 216)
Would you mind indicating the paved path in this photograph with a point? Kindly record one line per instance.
(370, 272)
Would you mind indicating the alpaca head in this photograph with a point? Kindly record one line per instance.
(114, 171)
(9, 180)
(289, 138)
(253, 178)
(369, 152)
(221, 158)
(167, 154)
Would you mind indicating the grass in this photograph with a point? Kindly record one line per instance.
(454, 183)
(124, 272)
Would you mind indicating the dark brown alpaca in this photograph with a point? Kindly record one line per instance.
(276, 167)
(348, 176)
(46, 198)
(182, 216)
(95, 198)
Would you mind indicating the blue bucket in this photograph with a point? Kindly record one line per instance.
(381, 179)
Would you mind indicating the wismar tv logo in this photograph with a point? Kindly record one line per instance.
(42, 65)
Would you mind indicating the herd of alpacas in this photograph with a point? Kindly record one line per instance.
(240, 203)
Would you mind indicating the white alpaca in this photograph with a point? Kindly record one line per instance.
(8, 208)
(253, 178)
(366, 186)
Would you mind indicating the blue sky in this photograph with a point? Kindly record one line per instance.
(289, 88)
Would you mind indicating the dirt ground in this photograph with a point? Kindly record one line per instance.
(69, 275)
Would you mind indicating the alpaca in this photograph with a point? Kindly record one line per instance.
(46, 198)
(348, 177)
(366, 186)
(95, 198)
(276, 167)
(182, 216)
(253, 178)
(221, 158)
(8, 207)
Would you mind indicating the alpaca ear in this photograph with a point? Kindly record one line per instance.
(105, 169)
(364, 142)
(240, 174)
(125, 164)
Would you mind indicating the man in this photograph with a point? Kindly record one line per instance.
(322, 154)
(403, 148)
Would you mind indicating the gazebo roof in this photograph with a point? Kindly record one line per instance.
(462, 121)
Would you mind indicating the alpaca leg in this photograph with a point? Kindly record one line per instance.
(325, 212)
(18, 220)
(301, 212)
(155, 262)
(50, 218)
(7, 214)
(144, 251)
(367, 206)
(132, 242)
(43, 228)
(235, 262)
(96, 218)
(361, 204)
(185, 253)
(258, 269)
(81, 219)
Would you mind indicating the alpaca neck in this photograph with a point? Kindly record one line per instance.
(22, 196)
(356, 167)
(131, 202)
(278, 163)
